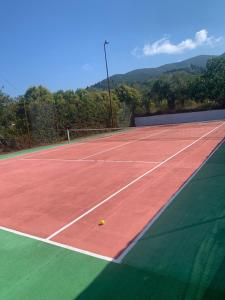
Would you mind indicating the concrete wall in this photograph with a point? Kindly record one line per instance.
(181, 118)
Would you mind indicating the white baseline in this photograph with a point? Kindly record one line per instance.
(58, 244)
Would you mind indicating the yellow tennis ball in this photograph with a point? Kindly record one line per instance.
(102, 222)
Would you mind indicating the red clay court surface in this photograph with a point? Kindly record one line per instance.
(59, 195)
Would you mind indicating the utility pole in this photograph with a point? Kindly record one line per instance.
(110, 98)
(27, 122)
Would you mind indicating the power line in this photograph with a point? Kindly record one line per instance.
(10, 83)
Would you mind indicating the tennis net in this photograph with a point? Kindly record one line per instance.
(153, 133)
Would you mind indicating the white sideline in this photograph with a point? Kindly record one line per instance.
(58, 244)
(156, 217)
(129, 184)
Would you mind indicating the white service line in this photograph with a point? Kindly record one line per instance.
(100, 152)
(58, 147)
(92, 160)
(58, 244)
(129, 184)
(124, 144)
(122, 161)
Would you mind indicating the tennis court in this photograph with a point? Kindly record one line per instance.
(58, 195)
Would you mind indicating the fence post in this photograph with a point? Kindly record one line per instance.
(68, 135)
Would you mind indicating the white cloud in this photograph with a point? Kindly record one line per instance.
(137, 52)
(87, 67)
(164, 45)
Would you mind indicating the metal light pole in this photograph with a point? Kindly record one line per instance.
(110, 98)
(27, 122)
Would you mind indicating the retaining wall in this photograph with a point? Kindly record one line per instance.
(188, 117)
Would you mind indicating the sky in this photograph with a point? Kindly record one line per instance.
(59, 43)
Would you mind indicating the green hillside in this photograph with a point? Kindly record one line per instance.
(193, 65)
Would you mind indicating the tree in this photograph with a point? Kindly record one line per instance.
(131, 96)
(197, 88)
(8, 125)
(7, 113)
(162, 89)
(179, 87)
(39, 104)
(66, 104)
(214, 77)
(38, 94)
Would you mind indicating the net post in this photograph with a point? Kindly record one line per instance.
(68, 135)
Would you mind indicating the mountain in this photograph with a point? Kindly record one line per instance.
(193, 65)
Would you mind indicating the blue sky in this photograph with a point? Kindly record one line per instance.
(59, 44)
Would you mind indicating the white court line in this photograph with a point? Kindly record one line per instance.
(75, 143)
(100, 152)
(133, 243)
(72, 144)
(184, 124)
(128, 143)
(156, 217)
(52, 150)
(131, 142)
(92, 160)
(58, 244)
(129, 184)
(118, 260)
(122, 161)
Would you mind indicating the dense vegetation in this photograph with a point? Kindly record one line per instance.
(40, 116)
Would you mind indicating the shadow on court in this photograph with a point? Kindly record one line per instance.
(173, 267)
(182, 256)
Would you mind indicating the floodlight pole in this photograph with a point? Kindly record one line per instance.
(27, 122)
(110, 98)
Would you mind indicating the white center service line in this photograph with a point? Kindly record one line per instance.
(131, 183)
(125, 144)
